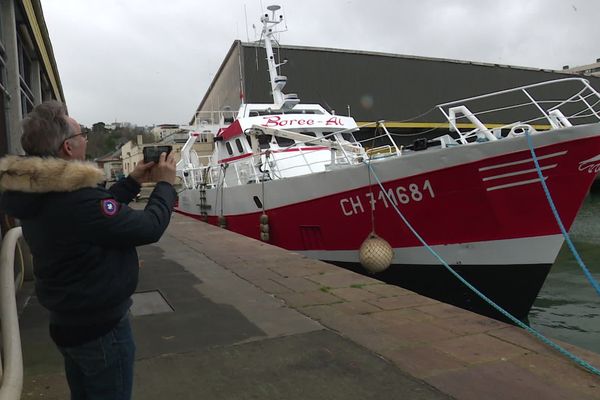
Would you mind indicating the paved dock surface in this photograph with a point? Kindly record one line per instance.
(221, 316)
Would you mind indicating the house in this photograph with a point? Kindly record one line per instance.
(132, 151)
(588, 69)
(163, 130)
(112, 165)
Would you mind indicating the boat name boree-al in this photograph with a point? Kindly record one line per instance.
(591, 165)
(276, 121)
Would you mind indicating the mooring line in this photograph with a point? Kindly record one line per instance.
(564, 232)
(518, 322)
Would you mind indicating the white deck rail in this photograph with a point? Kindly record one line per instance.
(11, 366)
(537, 106)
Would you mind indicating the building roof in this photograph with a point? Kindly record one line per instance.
(37, 23)
(112, 156)
(588, 69)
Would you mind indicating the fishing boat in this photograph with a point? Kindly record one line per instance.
(300, 177)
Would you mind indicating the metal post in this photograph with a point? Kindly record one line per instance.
(14, 114)
(12, 376)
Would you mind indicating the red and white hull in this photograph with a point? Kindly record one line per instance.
(480, 206)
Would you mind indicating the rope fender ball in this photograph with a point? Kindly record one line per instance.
(264, 228)
(375, 254)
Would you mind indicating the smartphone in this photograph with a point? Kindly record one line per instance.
(152, 153)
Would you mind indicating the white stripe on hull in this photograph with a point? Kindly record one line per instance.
(513, 184)
(533, 250)
(527, 160)
(525, 171)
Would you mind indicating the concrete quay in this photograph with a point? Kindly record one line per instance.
(221, 316)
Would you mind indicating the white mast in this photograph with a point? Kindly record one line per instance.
(283, 101)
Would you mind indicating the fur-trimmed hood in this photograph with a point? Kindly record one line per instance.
(43, 175)
(25, 180)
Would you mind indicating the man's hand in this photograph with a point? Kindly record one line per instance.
(165, 170)
(141, 172)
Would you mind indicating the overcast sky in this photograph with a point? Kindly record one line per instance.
(150, 61)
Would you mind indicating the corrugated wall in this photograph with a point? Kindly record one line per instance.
(380, 86)
(226, 86)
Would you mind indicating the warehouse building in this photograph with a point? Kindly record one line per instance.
(402, 90)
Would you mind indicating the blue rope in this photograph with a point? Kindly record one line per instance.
(586, 271)
(532, 331)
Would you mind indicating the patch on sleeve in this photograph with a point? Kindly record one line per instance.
(109, 207)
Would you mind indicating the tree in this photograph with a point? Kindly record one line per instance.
(102, 141)
(99, 127)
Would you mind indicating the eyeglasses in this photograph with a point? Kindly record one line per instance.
(83, 135)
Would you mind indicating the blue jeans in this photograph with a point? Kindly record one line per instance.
(102, 368)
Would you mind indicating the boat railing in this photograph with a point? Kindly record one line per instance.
(213, 120)
(192, 176)
(282, 162)
(277, 159)
(388, 148)
(380, 151)
(491, 116)
(273, 163)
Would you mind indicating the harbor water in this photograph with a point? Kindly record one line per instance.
(568, 307)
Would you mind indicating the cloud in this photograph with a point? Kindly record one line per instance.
(150, 61)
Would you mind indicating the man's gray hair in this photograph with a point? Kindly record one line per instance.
(45, 128)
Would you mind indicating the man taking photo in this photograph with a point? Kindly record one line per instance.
(83, 239)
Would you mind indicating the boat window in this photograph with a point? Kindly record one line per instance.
(303, 112)
(256, 113)
(240, 148)
(249, 141)
(284, 142)
(330, 136)
(348, 136)
(310, 134)
(229, 149)
(264, 141)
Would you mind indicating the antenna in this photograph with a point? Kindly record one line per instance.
(246, 16)
(273, 8)
(281, 100)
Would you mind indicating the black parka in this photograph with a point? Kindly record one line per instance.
(82, 236)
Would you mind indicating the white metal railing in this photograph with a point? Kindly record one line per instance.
(211, 119)
(275, 160)
(582, 103)
(193, 177)
(11, 366)
(344, 151)
(280, 160)
(389, 148)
